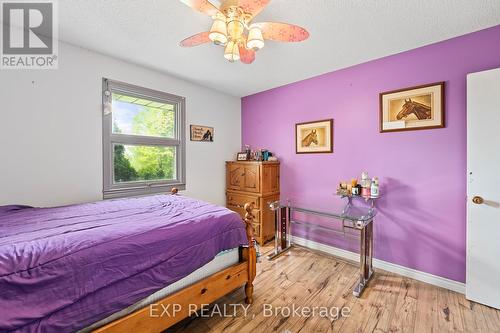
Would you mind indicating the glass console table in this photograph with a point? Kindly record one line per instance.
(342, 208)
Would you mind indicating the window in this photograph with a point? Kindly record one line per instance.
(143, 140)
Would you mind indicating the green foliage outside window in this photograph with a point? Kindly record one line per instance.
(139, 163)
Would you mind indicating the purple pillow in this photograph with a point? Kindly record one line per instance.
(11, 208)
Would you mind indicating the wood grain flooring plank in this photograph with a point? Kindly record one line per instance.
(390, 304)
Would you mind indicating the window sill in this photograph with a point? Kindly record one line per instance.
(140, 191)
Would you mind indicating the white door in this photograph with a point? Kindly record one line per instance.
(483, 205)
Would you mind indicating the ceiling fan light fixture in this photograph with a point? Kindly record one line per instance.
(232, 51)
(235, 28)
(255, 40)
(218, 32)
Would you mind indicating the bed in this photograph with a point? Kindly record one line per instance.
(98, 266)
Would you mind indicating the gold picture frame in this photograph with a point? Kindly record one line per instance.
(414, 108)
(314, 137)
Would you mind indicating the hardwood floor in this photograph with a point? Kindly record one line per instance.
(306, 278)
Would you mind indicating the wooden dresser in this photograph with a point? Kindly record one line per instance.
(257, 182)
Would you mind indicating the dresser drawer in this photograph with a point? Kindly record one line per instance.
(241, 211)
(240, 200)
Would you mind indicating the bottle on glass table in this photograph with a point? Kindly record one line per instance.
(365, 185)
(374, 189)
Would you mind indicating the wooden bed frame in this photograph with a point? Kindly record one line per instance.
(202, 292)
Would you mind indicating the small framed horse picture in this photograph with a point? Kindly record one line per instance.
(314, 137)
(414, 108)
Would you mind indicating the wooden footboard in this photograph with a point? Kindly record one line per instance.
(203, 292)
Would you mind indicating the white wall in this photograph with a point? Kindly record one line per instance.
(50, 130)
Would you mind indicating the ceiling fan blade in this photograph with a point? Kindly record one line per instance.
(203, 6)
(282, 32)
(196, 40)
(247, 56)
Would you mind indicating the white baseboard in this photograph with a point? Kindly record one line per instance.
(439, 281)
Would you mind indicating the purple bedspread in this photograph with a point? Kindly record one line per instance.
(64, 268)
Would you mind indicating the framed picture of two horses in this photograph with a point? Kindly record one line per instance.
(414, 108)
(314, 137)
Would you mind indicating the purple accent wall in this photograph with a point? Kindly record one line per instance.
(422, 215)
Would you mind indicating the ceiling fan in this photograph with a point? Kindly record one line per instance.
(232, 28)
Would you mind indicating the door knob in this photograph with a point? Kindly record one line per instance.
(477, 200)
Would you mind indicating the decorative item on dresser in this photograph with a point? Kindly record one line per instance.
(243, 156)
(256, 182)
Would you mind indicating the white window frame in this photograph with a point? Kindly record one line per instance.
(138, 188)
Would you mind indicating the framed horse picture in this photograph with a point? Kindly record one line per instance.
(314, 137)
(414, 108)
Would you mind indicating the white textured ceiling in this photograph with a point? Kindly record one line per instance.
(343, 33)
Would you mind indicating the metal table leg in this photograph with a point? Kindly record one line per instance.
(366, 259)
(282, 238)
